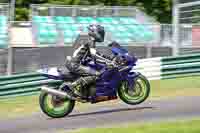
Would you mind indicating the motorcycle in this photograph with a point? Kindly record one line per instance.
(118, 81)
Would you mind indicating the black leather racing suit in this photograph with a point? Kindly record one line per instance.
(88, 75)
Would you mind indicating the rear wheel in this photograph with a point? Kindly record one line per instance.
(136, 95)
(55, 107)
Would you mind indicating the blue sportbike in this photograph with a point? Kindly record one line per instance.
(118, 81)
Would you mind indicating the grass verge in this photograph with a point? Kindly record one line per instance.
(187, 86)
(19, 106)
(184, 126)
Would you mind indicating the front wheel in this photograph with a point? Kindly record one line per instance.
(136, 95)
(55, 107)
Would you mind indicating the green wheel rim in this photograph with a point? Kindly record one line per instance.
(51, 109)
(140, 90)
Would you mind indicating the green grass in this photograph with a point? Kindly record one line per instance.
(189, 126)
(18, 106)
(189, 86)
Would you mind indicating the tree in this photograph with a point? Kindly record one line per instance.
(22, 14)
(161, 10)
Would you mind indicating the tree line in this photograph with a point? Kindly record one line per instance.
(161, 10)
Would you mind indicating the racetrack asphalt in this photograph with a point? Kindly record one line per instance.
(100, 116)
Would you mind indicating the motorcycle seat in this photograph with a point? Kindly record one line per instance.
(66, 74)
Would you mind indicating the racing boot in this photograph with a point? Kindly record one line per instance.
(81, 84)
(78, 86)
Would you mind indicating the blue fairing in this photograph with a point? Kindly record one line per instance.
(119, 50)
(107, 83)
(124, 54)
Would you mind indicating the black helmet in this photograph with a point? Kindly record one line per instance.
(97, 32)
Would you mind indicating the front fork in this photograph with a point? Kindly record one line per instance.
(131, 80)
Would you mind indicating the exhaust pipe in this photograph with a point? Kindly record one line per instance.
(55, 92)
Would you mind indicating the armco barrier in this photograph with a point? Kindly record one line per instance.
(153, 69)
(169, 67)
(23, 84)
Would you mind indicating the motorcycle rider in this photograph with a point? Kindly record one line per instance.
(87, 50)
